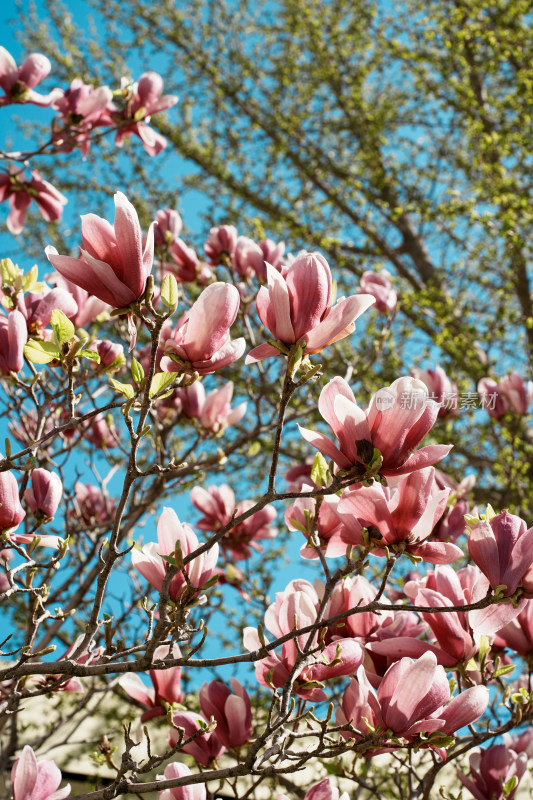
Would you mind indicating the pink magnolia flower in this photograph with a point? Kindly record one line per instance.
(187, 261)
(89, 307)
(37, 307)
(217, 413)
(411, 699)
(214, 411)
(143, 99)
(92, 505)
(73, 685)
(379, 285)
(491, 769)
(45, 492)
(273, 254)
(13, 337)
(333, 536)
(456, 632)
(492, 398)
(11, 511)
(201, 342)
(36, 780)
(231, 709)
(20, 191)
(300, 475)
(440, 389)
(296, 608)
(324, 790)
(298, 307)
(348, 594)
(517, 635)
(205, 749)
(503, 550)
(360, 592)
(405, 517)
(220, 242)
(405, 624)
(518, 393)
(102, 432)
(521, 742)
(18, 82)
(166, 685)
(111, 353)
(112, 265)
(81, 109)
(247, 258)
(395, 423)
(195, 791)
(5, 556)
(168, 228)
(218, 507)
(452, 523)
(153, 567)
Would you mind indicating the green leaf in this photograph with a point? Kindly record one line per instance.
(8, 270)
(320, 471)
(92, 354)
(160, 381)
(169, 291)
(30, 278)
(63, 327)
(254, 448)
(137, 372)
(506, 670)
(511, 784)
(40, 352)
(298, 526)
(124, 388)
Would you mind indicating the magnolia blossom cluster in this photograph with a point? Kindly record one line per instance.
(212, 411)
(372, 494)
(81, 109)
(219, 507)
(496, 771)
(510, 393)
(379, 285)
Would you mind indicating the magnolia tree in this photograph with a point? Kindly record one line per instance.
(139, 377)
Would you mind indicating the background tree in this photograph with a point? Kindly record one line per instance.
(385, 137)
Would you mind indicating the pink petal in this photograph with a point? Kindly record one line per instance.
(8, 69)
(134, 687)
(369, 505)
(225, 355)
(425, 457)
(337, 321)
(325, 446)
(98, 238)
(437, 552)
(308, 283)
(274, 308)
(493, 618)
(209, 320)
(465, 708)
(400, 646)
(260, 352)
(129, 240)
(24, 774)
(81, 273)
